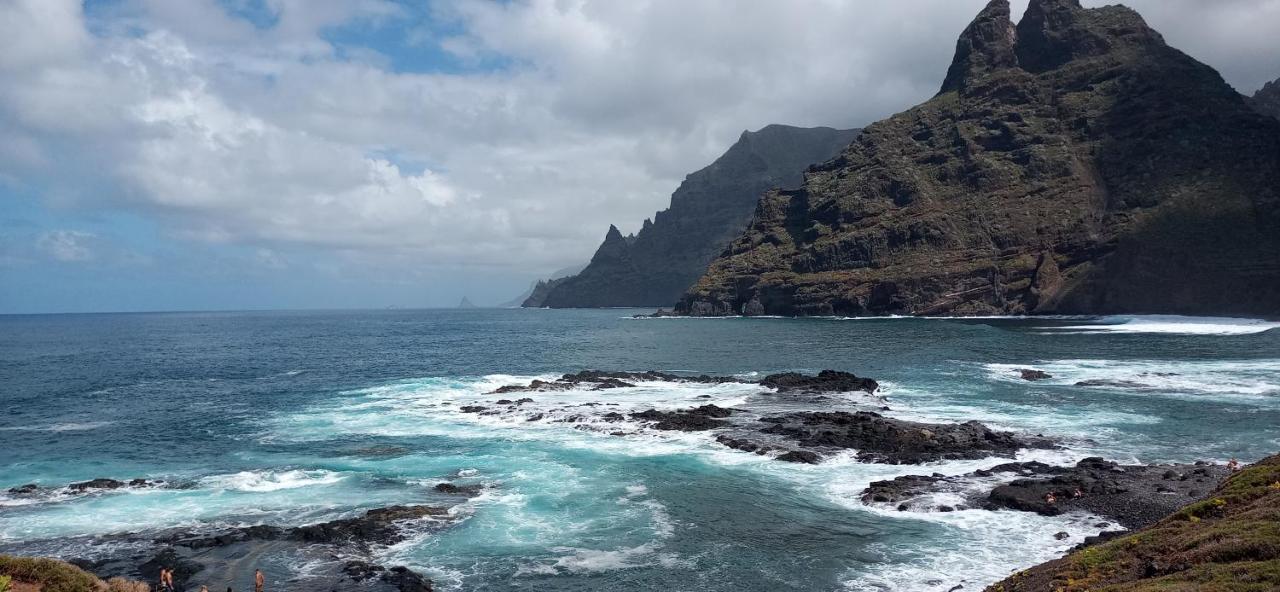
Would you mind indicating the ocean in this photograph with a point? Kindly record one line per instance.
(288, 418)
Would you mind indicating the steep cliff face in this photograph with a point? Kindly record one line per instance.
(537, 293)
(1074, 163)
(1267, 99)
(710, 208)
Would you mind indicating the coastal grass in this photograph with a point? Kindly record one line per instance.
(50, 575)
(1226, 542)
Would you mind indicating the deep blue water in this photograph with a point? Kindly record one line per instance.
(269, 417)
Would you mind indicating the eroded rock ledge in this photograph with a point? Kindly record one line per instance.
(1133, 496)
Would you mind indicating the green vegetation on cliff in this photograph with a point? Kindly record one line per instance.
(1227, 542)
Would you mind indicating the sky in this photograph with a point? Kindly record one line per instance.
(279, 154)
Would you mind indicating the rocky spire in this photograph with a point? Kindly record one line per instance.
(985, 45)
(1047, 33)
(613, 235)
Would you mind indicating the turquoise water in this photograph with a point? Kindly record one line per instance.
(271, 418)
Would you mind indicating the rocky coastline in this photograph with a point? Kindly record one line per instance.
(830, 413)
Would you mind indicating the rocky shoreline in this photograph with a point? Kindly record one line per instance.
(794, 418)
(346, 547)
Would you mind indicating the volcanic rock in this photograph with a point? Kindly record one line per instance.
(895, 441)
(827, 381)
(1033, 375)
(463, 490)
(684, 421)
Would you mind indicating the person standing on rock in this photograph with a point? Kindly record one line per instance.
(259, 581)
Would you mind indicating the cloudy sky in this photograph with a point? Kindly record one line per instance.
(231, 154)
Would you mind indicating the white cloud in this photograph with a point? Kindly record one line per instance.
(228, 132)
(67, 246)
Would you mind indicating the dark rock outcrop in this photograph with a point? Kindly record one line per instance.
(895, 441)
(1226, 541)
(99, 483)
(462, 490)
(183, 569)
(401, 578)
(692, 420)
(827, 381)
(1074, 163)
(1267, 99)
(603, 380)
(711, 207)
(1133, 495)
(1034, 375)
(380, 526)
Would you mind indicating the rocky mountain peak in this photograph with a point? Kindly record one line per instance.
(1095, 170)
(985, 45)
(1267, 99)
(1055, 32)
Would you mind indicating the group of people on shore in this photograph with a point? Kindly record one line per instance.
(166, 581)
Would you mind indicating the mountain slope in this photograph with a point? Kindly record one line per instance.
(1267, 99)
(1074, 163)
(533, 297)
(709, 209)
(1229, 541)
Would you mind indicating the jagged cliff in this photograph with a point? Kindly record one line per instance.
(1267, 99)
(1073, 163)
(710, 208)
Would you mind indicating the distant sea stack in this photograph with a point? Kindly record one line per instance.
(1074, 163)
(711, 207)
(1267, 99)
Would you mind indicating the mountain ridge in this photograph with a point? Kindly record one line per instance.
(1073, 163)
(1267, 99)
(711, 206)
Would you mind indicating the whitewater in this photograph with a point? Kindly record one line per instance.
(296, 418)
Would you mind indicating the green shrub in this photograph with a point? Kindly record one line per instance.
(4, 583)
(52, 575)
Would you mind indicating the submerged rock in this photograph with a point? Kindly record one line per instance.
(1033, 375)
(99, 483)
(463, 490)
(800, 456)
(27, 489)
